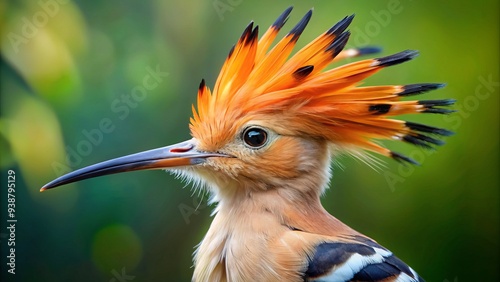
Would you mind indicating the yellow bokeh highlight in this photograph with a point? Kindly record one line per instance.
(34, 135)
(40, 42)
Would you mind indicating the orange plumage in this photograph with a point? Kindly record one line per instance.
(262, 143)
(255, 81)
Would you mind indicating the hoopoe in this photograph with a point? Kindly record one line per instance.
(262, 143)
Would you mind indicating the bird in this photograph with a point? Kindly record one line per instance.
(263, 142)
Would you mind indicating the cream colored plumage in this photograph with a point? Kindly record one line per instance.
(262, 143)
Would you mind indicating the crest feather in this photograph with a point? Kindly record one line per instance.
(255, 81)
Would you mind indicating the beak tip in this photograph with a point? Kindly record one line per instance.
(43, 189)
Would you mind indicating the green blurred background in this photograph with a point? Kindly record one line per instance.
(68, 67)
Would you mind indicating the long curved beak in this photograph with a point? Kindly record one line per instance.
(181, 154)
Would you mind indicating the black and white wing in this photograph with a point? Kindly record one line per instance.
(360, 260)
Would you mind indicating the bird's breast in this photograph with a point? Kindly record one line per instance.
(241, 247)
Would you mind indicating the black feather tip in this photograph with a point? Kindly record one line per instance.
(281, 20)
(403, 159)
(397, 58)
(415, 89)
(368, 50)
(338, 44)
(246, 33)
(254, 35)
(341, 26)
(299, 28)
(430, 106)
(422, 140)
(202, 85)
(428, 129)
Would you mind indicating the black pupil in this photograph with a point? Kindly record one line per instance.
(255, 137)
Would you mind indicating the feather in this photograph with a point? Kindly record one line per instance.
(359, 260)
(269, 224)
(333, 105)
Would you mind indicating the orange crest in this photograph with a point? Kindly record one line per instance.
(256, 82)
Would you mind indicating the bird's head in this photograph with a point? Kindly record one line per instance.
(272, 120)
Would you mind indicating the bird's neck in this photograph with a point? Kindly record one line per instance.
(252, 216)
(245, 228)
(294, 209)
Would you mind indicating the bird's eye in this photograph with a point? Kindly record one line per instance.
(255, 137)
